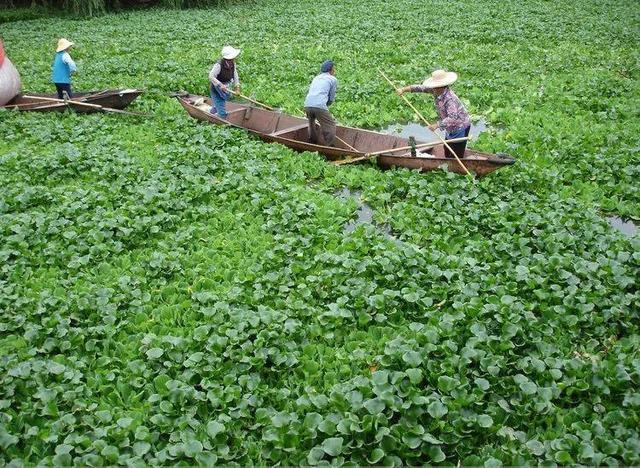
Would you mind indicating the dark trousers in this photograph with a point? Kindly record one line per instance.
(60, 87)
(327, 124)
(458, 147)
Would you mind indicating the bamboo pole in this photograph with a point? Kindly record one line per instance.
(252, 100)
(395, 150)
(426, 122)
(84, 104)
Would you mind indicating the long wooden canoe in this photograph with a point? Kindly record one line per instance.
(113, 98)
(274, 126)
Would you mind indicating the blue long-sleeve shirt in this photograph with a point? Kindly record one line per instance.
(322, 91)
(63, 67)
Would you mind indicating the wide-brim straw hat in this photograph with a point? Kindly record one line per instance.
(439, 79)
(229, 52)
(63, 44)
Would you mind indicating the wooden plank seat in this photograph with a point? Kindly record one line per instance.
(290, 129)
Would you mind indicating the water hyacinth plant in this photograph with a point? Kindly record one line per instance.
(172, 292)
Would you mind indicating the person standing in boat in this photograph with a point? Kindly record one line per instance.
(222, 77)
(321, 95)
(453, 118)
(63, 67)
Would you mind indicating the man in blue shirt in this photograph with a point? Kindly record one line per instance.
(322, 93)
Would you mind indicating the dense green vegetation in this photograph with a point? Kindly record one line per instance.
(174, 292)
(28, 9)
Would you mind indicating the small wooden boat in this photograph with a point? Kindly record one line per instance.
(112, 98)
(274, 126)
(9, 78)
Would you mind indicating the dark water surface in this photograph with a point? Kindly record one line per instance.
(364, 213)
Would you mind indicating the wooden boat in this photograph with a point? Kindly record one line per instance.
(9, 78)
(274, 126)
(112, 98)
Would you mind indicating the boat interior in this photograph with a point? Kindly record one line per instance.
(278, 125)
(283, 126)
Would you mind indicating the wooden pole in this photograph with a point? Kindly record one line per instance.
(84, 104)
(35, 105)
(426, 122)
(395, 150)
(252, 100)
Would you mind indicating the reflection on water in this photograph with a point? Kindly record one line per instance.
(625, 226)
(364, 214)
(423, 134)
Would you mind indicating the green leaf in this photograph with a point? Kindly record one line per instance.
(315, 455)
(586, 452)
(104, 416)
(376, 455)
(437, 409)
(374, 405)
(483, 384)
(62, 459)
(431, 439)
(563, 457)
(528, 388)
(332, 446)
(492, 463)
(446, 383)
(214, 428)
(380, 377)
(536, 447)
(312, 420)
(412, 358)
(415, 375)
(125, 422)
(155, 353)
(192, 448)
(411, 441)
(484, 420)
(63, 448)
(436, 454)
(207, 458)
(111, 453)
(141, 448)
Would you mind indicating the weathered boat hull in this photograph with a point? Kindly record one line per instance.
(276, 127)
(479, 167)
(112, 98)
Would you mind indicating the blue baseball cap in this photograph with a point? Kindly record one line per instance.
(326, 66)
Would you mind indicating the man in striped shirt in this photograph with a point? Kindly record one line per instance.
(453, 118)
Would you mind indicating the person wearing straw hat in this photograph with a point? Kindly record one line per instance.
(321, 95)
(453, 118)
(63, 67)
(222, 77)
